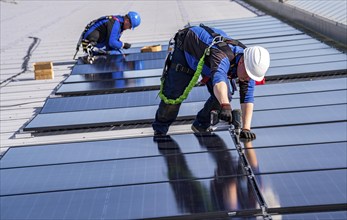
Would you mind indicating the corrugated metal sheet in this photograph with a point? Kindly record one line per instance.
(334, 10)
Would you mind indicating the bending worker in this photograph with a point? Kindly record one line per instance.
(224, 62)
(105, 33)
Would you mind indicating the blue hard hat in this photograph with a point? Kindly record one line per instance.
(135, 19)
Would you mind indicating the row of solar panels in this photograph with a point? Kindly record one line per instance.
(112, 109)
(89, 180)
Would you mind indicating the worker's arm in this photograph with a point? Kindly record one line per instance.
(247, 113)
(114, 36)
(220, 90)
(246, 100)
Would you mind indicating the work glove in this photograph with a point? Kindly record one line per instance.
(225, 113)
(126, 45)
(247, 134)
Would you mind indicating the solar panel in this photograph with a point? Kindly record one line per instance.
(152, 200)
(303, 134)
(130, 171)
(120, 85)
(113, 76)
(297, 157)
(285, 117)
(115, 66)
(117, 100)
(118, 149)
(304, 188)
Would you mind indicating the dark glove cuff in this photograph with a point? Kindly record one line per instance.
(226, 106)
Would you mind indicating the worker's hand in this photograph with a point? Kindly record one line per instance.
(225, 113)
(126, 45)
(247, 134)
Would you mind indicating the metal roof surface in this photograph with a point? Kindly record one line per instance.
(334, 10)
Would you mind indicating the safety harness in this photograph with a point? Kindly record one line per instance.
(86, 29)
(221, 43)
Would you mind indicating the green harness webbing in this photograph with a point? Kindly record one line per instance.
(189, 88)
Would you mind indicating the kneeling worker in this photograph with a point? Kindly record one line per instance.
(220, 65)
(104, 33)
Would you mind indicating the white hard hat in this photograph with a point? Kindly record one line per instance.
(257, 62)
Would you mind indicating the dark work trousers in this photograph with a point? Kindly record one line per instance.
(95, 37)
(174, 85)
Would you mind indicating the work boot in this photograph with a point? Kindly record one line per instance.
(197, 128)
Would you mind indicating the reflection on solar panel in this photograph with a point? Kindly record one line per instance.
(298, 159)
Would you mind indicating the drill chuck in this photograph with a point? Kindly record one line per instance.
(237, 120)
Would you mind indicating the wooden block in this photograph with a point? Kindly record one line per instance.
(43, 70)
(153, 48)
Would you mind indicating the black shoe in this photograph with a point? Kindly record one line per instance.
(198, 129)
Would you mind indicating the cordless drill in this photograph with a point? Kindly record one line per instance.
(236, 120)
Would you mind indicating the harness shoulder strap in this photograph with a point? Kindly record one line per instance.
(223, 46)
